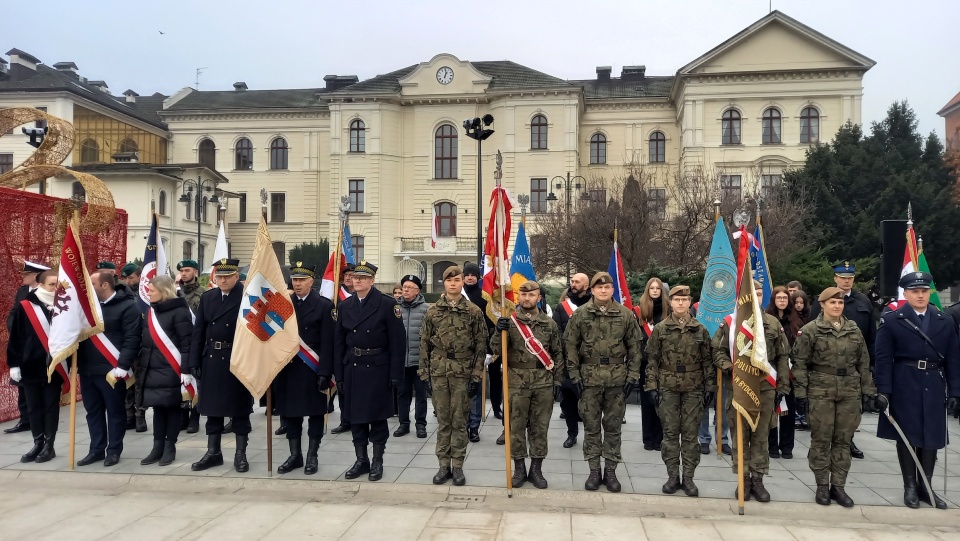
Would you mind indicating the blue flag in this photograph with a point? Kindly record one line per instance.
(348, 246)
(154, 263)
(621, 293)
(758, 260)
(521, 265)
(719, 294)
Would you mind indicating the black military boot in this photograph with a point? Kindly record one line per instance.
(376, 465)
(213, 456)
(442, 475)
(855, 451)
(928, 459)
(837, 493)
(169, 453)
(570, 441)
(536, 476)
(402, 430)
(457, 474)
(689, 487)
(758, 490)
(746, 488)
(908, 469)
(519, 472)
(295, 460)
(362, 465)
(610, 477)
(155, 453)
(240, 458)
(313, 444)
(193, 426)
(48, 452)
(593, 480)
(672, 484)
(822, 495)
(141, 421)
(31, 455)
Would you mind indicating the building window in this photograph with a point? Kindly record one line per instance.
(189, 214)
(278, 153)
(278, 207)
(187, 250)
(357, 242)
(201, 254)
(657, 203)
(809, 125)
(356, 195)
(538, 195)
(771, 127)
(730, 188)
(243, 207)
(446, 219)
(41, 124)
(658, 147)
(731, 127)
(445, 158)
(598, 196)
(280, 249)
(244, 151)
(89, 151)
(6, 163)
(207, 154)
(77, 191)
(203, 208)
(538, 133)
(162, 203)
(770, 186)
(129, 145)
(598, 148)
(358, 137)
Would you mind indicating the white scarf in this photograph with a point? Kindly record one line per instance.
(46, 297)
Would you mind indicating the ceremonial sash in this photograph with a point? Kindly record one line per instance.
(308, 356)
(647, 328)
(344, 293)
(533, 345)
(568, 306)
(112, 354)
(170, 352)
(38, 320)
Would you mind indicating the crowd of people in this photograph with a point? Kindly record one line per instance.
(384, 355)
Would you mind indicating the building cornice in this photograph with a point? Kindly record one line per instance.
(253, 114)
(627, 104)
(763, 76)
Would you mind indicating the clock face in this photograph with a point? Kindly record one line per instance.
(444, 75)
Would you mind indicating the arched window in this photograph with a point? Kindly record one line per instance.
(77, 191)
(203, 208)
(187, 249)
(358, 139)
(538, 132)
(445, 157)
(162, 203)
(207, 153)
(809, 125)
(446, 219)
(598, 148)
(244, 153)
(658, 147)
(771, 127)
(89, 151)
(201, 254)
(129, 145)
(731, 127)
(278, 153)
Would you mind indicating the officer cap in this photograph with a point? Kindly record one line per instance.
(529, 285)
(845, 269)
(31, 267)
(188, 263)
(601, 278)
(299, 270)
(412, 278)
(472, 269)
(349, 267)
(830, 293)
(365, 268)
(680, 290)
(129, 269)
(916, 280)
(452, 271)
(226, 267)
(106, 265)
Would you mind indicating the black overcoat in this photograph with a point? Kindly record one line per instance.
(295, 386)
(161, 384)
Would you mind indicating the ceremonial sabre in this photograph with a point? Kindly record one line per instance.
(913, 453)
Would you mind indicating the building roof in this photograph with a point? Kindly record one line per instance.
(952, 104)
(647, 87)
(169, 169)
(250, 99)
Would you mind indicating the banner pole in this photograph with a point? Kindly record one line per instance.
(72, 453)
(740, 462)
(504, 337)
(269, 432)
(483, 394)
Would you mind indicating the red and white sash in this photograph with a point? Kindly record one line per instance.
(568, 307)
(647, 328)
(533, 345)
(308, 356)
(170, 352)
(41, 326)
(112, 355)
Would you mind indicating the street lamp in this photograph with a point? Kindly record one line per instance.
(569, 183)
(475, 131)
(187, 197)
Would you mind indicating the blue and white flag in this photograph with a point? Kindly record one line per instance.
(348, 253)
(154, 264)
(521, 265)
(718, 297)
(758, 260)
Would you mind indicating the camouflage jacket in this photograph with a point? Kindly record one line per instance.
(778, 352)
(831, 362)
(453, 341)
(679, 358)
(603, 347)
(526, 370)
(191, 292)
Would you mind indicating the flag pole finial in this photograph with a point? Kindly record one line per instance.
(498, 173)
(909, 214)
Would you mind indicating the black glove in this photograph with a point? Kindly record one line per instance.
(323, 383)
(196, 373)
(628, 387)
(881, 402)
(429, 385)
(709, 399)
(654, 396)
(340, 388)
(776, 401)
(801, 404)
(866, 403)
(578, 389)
(503, 324)
(473, 389)
(396, 384)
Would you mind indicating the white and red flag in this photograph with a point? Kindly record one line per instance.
(220, 251)
(909, 265)
(434, 228)
(497, 288)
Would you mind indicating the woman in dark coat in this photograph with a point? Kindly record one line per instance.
(650, 310)
(162, 384)
(781, 439)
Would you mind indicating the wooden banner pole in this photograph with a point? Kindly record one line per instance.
(269, 432)
(740, 494)
(72, 453)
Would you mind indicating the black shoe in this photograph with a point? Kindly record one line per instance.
(822, 495)
(281, 430)
(502, 440)
(442, 475)
(194, 425)
(141, 422)
(312, 464)
(498, 414)
(21, 426)
(786, 454)
(228, 428)
(569, 442)
(563, 415)
(376, 465)
(362, 465)
(401, 430)
(295, 460)
(855, 452)
(648, 447)
(656, 447)
(169, 453)
(240, 457)
(726, 449)
(704, 448)
(341, 429)
(111, 460)
(672, 485)
(774, 453)
(48, 453)
(213, 456)
(473, 434)
(91, 458)
(458, 478)
(838, 494)
(154, 455)
(421, 431)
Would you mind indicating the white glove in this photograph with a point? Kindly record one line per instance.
(487, 360)
(187, 380)
(15, 374)
(119, 373)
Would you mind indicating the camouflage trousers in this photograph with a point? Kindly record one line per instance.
(832, 425)
(452, 405)
(602, 407)
(756, 454)
(680, 415)
(530, 411)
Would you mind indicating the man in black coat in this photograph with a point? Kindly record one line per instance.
(111, 352)
(576, 296)
(30, 273)
(369, 350)
(346, 284)
(221, 394)
(301, 387)
(473, 288)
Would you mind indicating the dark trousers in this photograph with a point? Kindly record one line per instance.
(571, 410)
(43, 407)
(412, 385)
(22, 404)
(134, 396)
(375, 432)
(496, 385)
(166, 423)
(106, 418)
(295, 426)
(784, 440)
(343, 415)
(241, 425)
(650, 420)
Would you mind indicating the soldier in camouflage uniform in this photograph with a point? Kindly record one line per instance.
(680, 379)
(755, 451)
(453, 343)
(831, 366)
(602, 344)
(531, 380)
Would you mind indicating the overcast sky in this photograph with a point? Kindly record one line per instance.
(293, 44)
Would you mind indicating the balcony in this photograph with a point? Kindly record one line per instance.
(446, 246)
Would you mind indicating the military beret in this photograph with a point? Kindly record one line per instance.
(845, 269)
(106, 265)
(528, 286)
(412, 278)
(452, 271)
(830, 293)
(916, 280)
(601, 278)
(680, 290)
(31, 267)
(129, 270)
(243, 276)
(365, 268)
(226, 267)
(189, 263)
(472, 269)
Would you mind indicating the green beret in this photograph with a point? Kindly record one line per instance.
(106, 265)
(188, 263)
(129, 269)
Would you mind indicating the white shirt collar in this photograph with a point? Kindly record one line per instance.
(109, 298)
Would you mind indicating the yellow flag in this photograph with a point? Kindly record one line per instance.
(267, 335)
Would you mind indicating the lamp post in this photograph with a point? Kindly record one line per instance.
(475, 131)
(187, 197)
(568, 183)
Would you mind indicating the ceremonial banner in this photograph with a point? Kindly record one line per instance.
(267, 336)
(621, 293)
(758, 258)
(910, 264)
(496, 278)
(221, 251)
(521, 265)
(346, 256)
(750, 367)
(154, 263)
(347, 246)
(434, 228)
(718, 297)
(922, 266)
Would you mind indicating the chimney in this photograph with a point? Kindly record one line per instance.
(99, 85)
(603, 73)
(240, 86)
(633, 73)
(131, 96)
(336, 82)
(69, 68)
(22, 65)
